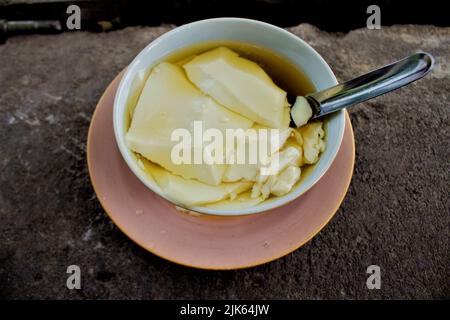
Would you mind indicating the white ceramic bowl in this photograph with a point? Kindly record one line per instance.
(235, 29)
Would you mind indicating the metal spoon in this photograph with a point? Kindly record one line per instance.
(360, 89)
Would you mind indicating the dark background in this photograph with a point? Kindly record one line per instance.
(328, 15)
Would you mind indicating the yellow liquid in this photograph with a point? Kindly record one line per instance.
(284, 73)
(281, 70)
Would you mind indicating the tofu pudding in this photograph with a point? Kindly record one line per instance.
(225, 87)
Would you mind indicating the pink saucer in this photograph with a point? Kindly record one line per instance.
(207, 242)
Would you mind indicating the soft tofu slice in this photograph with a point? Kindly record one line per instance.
(313, 141)
(238, 172)
(240, 85)
(242, 201)
(191, 192)
(276, 141)
(248, 171)
(169, 101)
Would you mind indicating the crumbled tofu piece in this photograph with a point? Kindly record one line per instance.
(313, 141)
(301, 111)
(285, 181)
(292, 143)
(264, 184)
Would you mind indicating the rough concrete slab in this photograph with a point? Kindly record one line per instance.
(396, 213)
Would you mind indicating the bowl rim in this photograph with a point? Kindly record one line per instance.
(132, 164)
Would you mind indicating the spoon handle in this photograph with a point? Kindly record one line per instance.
(370, 85)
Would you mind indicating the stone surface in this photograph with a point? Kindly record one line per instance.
(396, 213)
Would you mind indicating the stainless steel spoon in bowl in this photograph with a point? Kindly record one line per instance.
(360, 89)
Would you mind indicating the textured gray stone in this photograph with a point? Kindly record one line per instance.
(396, 213)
